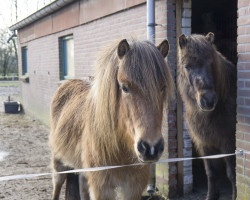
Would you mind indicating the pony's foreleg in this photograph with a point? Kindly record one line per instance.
(58, 179)
(212, 179)
(212, 171)
(83, 187)
(230, 165)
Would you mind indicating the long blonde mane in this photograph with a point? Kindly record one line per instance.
(145, 66)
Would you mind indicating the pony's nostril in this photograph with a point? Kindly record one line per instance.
(159, 147)
(143, 147)
(148, 152)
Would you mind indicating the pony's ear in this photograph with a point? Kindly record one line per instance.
(163, 48)
(123, 48)
(182, 41)
(210, 37)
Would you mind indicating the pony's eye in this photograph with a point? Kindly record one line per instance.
(124, 88)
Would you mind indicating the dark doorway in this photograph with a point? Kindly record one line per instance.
(219, 17)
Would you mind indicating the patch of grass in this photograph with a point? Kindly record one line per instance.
(9, 83)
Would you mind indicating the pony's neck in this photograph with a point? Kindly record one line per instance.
(225, 73)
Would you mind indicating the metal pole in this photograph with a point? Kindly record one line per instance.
(151, 37)
(151, 20)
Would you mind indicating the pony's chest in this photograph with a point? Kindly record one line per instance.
(202, 130)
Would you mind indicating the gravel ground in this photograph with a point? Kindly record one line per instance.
(24, 149)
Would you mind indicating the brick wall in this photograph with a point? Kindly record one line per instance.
(166, 173)
(243, 99)
(89, 39)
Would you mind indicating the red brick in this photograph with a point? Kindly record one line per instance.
(243, 39)
(240, 144)
(243, 21)
(239, 160)
(241, 48)
(241, 119)
(247, 137)
(247, 83)
(240, 84)
(244, 11)
(244, 57)
(240, 101)
(242, 66)
(240, 136)
(244, 75)
(247, 119)
(244, 93)
(244, 128)
(243, 3)
(247, 48)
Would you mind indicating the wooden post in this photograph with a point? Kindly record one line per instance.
(179, 104)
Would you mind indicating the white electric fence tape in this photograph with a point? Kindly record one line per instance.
(25, 176)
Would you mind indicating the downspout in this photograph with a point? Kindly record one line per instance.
(151, 37)
(151, 20)
(13, 35)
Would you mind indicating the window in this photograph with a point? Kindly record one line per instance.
(24, 61)
(66, 50)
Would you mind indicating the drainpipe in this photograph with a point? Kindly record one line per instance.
(151, 20)
(13, 35)
(151, 37)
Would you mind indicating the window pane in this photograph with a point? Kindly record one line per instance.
(70, 58)
(24, 60)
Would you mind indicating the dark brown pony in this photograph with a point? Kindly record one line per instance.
(114, 120)
(207, 84)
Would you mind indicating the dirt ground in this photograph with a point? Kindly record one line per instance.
(24, 149)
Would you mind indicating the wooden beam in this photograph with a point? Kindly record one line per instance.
(179, 104)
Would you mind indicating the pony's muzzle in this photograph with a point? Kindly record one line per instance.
(208, 101)
(150, 153)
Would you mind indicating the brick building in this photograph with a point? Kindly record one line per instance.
(62, 40)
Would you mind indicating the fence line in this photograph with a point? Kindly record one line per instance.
(12, 76)
(25, 176)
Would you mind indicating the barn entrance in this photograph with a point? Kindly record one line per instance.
(219, 17)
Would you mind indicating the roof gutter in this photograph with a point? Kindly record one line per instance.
(52, 7)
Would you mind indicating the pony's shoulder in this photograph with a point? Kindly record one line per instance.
(68, 91)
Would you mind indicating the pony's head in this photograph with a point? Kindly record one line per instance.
(144, 83)
(199, 66)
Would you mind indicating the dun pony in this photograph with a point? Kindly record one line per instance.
(115, 120)
(207, 84)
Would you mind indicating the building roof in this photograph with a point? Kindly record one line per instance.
(50, 8)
